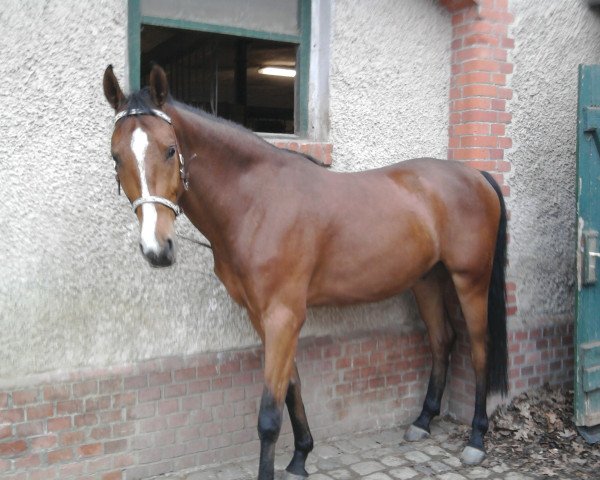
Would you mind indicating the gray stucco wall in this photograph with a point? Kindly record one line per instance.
(390, 76)
(552, 38)
(74, 289)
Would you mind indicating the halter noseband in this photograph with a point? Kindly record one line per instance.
(153, 199)
(182, 173)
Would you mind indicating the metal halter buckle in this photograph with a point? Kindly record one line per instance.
(182, 173)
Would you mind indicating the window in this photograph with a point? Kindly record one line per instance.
(215, 53)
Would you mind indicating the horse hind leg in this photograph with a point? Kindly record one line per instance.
(303, 442)
(473, 296)
(430, 296)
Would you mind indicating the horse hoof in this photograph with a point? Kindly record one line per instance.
(292, 476)
(472, 456)
(415, 434)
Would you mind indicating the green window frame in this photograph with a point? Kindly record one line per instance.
(136, 20)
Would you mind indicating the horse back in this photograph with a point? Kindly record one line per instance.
(388, 227)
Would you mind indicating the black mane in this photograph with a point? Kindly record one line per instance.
(140, 100)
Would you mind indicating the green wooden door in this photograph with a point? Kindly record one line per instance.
(587, 329)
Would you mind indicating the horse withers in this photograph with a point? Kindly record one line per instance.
(287, 234)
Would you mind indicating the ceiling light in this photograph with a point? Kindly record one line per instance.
(278, 71)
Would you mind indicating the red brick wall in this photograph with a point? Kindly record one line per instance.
(536, 356)
(157, 416)
(162, 415)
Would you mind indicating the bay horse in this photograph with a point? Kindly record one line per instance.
(287, 234)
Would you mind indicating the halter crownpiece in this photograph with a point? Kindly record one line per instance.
(183, 174)
(137, 111)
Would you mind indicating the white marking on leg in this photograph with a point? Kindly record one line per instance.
(139, 144)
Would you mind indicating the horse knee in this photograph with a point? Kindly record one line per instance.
(269, 419)
(269, 425)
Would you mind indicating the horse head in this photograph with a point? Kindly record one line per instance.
(148, 162)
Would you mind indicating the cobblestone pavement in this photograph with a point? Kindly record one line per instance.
(373, 456)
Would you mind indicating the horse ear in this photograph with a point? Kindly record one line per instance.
(159, 87)
(112, 90)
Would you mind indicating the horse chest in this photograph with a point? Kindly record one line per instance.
(231, 281)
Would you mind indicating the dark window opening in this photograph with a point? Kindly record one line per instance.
(220, 74)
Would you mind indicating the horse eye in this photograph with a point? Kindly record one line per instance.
(170, 151)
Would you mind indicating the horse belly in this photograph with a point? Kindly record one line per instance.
(369, 269)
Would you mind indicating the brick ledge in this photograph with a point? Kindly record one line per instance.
(320, 150)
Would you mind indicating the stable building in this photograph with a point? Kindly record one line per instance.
(111, 369)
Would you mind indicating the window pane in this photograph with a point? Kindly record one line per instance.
(219, 73)
(275, 16)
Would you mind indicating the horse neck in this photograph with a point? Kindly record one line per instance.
(218, 158)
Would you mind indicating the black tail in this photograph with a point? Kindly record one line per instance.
(497, 358)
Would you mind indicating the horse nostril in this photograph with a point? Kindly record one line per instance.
(169, 245)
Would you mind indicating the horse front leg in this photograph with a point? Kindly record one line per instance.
(303, 442)
(281, 327)
(269, 426)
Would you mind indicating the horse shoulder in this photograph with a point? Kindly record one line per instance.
(271, 260)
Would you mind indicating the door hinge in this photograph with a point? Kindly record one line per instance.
(591, 123)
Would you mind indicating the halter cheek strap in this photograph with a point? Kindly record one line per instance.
(182, 173)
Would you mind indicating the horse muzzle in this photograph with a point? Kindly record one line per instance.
(164, 256)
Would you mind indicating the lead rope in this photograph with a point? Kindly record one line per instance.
(193, 240)
(185, 178)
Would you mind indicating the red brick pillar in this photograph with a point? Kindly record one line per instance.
(479, 92)
(478, 85)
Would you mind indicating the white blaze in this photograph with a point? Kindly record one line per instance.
(139, 144)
